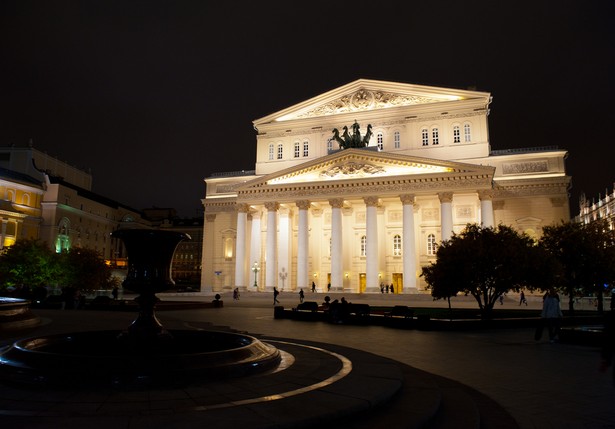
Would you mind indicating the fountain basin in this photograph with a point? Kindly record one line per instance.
(105, 358)
(15, 314)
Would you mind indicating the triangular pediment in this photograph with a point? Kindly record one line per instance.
(360, 164)
(365, 95)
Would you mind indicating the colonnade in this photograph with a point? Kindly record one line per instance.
(278, 248)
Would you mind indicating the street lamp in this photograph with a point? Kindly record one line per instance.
(256, 269)
(283, 276)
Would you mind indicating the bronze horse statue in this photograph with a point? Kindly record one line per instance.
(347, 141)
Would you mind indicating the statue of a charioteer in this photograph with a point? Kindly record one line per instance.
(347, 141)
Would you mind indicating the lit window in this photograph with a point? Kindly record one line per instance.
(467, 132)
(280, 151)
(435, 136)
(363, 245)
(431, 245)
(271, 152)
(297, 149)
(425, 136)
(306, 148)
(380, 140)
(397, 139)
(396, 245)
(456, 134)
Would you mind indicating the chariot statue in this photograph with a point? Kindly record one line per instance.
(347, 141)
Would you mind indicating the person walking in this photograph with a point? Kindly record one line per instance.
(522, 299)
(313, 287)
(276, 292)
(552, 314)
(301, 296)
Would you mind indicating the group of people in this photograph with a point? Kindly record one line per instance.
(385, 288)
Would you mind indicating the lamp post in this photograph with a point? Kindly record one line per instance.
(283, 276)
(256, 269)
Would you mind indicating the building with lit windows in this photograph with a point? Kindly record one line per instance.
(322, 206)
(604, 208)
(50, 200)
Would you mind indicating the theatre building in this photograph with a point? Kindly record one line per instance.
(355, 188)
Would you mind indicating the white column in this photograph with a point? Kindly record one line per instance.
(208, 280)
(240, 246)
(371, 246)
(302, 246)
(446, 214)
(337, 269)
(486, 209)
(255, 248)
(408, 243)
(284, 249)
(271, 252)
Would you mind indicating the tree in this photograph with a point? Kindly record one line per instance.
(27, 265)
(587, 255)
(487, 262)
(85, 269)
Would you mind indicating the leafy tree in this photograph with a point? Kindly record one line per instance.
(587, 255)
(487, 262)
(27, 265)
(85, 269)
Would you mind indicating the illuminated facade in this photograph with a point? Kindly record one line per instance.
(47, 199)
(604, 208)
(360, 217)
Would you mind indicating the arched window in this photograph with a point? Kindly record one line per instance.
(63, 238)
(467, 133)
(456, 134)
(435, 136)
(228, 248)
(431, 245)
(397, 139)
(10, 195)
(280, 150)
(425, 136)
(297, 150)
(271, 152)
(363, 245)
(380, 140)
(306, 148)
(25, 199)
(397, 245)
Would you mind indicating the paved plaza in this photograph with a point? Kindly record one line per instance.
(541, 385)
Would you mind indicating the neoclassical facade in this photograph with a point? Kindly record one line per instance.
(323, 207)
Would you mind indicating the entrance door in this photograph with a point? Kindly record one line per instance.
(398, 282)
(362, 282)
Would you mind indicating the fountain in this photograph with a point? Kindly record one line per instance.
(145, 353)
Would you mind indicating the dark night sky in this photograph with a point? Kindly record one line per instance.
(156, 95)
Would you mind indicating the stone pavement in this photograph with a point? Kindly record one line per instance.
(541, 385)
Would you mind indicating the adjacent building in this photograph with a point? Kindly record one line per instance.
(604, 208)
(355, 188)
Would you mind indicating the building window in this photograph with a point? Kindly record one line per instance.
(297, 150)
(435, 136)
(467, 133)
(271, 152)
(456, 134)
(380, 140)
(431, 245)
(363, 245)
(306, 148)
(280, 151)
(425, 136)
(397, 139)
(329, 145)
(396, 245)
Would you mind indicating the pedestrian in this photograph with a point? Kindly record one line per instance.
(313, 287)
(392, 290)
(114, 292)
(551, 314)
(522, 299)
(276, 292)
(328, 287)
(381, 287)
(236, 294)
(301, 296)
(502, 299)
